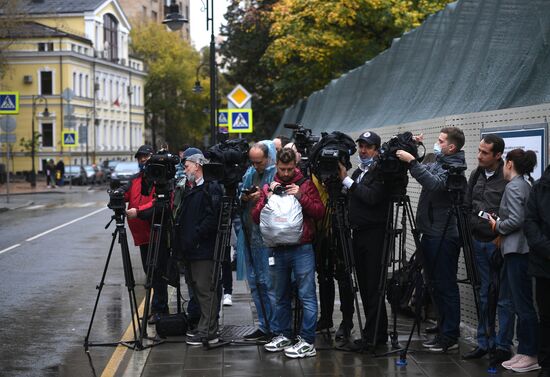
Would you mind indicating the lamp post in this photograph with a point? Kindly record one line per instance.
(174, 20)
(91, 111)
(45, 113)
(197, 88)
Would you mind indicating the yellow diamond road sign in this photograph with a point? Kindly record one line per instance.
(239, 96)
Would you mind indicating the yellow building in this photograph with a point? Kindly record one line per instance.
(73, 56)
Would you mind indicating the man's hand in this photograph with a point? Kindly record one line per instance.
(272, 186)
(342, 171)
(254, 197)
(404, 156)
(294, 189)
(131, 213)
(418, 138)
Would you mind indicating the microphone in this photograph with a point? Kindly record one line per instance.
(292, 126)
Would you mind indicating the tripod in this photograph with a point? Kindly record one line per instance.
(338, 209)
(399, 206)
(120, 232)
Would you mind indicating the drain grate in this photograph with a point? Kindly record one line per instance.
(231, 332)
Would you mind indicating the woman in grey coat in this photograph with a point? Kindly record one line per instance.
(516, 282)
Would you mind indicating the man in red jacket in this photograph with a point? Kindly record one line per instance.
(139, 195)
(296, 260)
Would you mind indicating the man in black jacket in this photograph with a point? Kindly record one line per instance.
(537, 232)
(368, 211)
(196, 228)
(485, 189)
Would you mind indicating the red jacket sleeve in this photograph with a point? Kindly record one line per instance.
(312, 206)
(260, 205)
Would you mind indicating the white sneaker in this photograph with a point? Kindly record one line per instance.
(300, 349)
(227, 301)
(279, 343)
(517, 357)
(525, 364)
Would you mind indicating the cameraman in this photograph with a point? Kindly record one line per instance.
(139, 195)
(440, 240)
(368, 211)
(485, 189)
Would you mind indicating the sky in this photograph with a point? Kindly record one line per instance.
(200, 37)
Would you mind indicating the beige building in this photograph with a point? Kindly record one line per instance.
(73, 57)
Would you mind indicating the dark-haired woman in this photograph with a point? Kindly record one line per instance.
(516, 283)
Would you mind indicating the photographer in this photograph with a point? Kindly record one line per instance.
(297, 260)
(485, 189)
(368, 211)
(440, 239)
(139, 196)
(196, 227)
(262, 171)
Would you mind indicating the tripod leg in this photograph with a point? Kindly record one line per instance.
(100, 288)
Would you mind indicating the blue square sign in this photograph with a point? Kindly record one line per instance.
(241, 121)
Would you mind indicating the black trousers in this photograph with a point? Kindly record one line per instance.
(368, 245)
(543, 303)
(159, 284)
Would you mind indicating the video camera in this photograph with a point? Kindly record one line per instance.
(116, 200)
(303, 138)
(160, 170)
(228, 162)
(387, 158)
(332, 149)
(456, 180)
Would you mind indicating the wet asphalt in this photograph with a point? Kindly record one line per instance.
(48, 286)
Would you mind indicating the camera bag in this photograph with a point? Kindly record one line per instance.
(172, 325)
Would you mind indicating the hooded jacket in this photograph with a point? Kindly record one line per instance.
(537, 227)
(435, 200)
(135, 193)
(312, 206)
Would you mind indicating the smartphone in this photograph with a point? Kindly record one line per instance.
(487, 215)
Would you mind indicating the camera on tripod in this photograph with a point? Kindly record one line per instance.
(160, 169)
(332, 149)
(456, 180)
(228, 162)
(116, 200)
(387, 158)
(303, 137)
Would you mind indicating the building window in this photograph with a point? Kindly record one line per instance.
(45, 46)
(47, 135)
(74, 82)
(87, 87)
(46, 83)
(110, 30)
(154, 15)
(80, 91)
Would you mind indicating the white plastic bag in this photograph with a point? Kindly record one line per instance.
(281, 221)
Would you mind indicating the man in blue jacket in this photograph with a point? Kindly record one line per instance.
(440, 240)
(196, 228)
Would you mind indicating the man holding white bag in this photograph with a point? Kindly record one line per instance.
(292, 251)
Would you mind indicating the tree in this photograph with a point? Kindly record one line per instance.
(176, 113)
(10, 19)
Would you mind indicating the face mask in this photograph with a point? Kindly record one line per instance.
(437, 149)
(365, 162)
(141, 167)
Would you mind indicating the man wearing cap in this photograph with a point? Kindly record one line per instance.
(368, 213)
(195, 230)
(139, 196)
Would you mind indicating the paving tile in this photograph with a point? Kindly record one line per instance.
(203, 362)
(156, 357)
(201, 373)
(165, 370)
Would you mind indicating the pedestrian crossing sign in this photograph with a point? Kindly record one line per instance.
(223, 118)
(9, 102)
(70, 138)
(240, 121)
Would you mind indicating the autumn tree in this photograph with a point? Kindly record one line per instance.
(11, 18)
(172, 108)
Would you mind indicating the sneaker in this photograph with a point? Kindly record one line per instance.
(525, 364)
(256, 336)
(300, 349)
(279, 343)
(197, 340)
(227, 301)
(442, 346)
(343, 332)
(507, 364)
(431, 342)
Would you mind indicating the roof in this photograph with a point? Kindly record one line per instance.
(58, 6)
(30, 29)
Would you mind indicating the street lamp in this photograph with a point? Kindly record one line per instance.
(45, 113)
(197, 88)
(91, 111)
(209, 25)
(174, 20)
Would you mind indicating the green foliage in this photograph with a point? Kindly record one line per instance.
(26, 144)
(171, 63)
(303, 44)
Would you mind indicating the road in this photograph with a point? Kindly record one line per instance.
(52, 255)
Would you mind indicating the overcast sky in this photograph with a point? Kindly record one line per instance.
(200, 37)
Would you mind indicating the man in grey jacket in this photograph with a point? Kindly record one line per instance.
(485, 188)
(440, 240)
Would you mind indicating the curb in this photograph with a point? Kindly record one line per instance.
(15, 206)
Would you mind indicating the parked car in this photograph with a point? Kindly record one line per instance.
(123, 172)
(90, 174)
(108, 166)
(75, 174)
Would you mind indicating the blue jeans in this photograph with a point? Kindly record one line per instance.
(298, 262)
(484, 252)
(260, 268)
(441, 265)
(518, 287)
